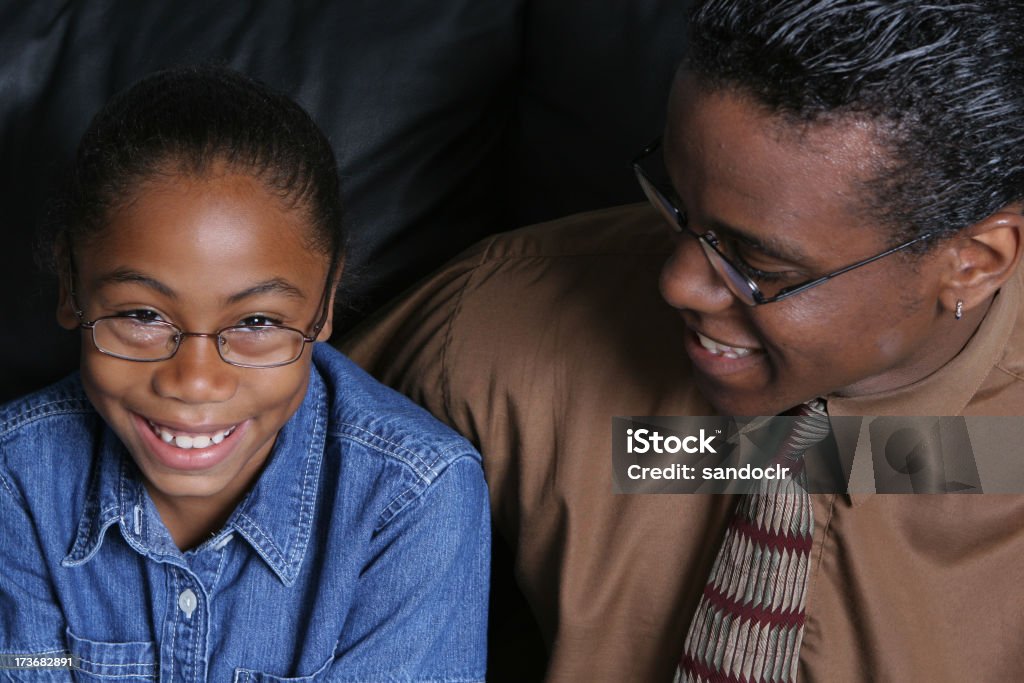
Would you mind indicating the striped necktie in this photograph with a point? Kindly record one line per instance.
(750, 619)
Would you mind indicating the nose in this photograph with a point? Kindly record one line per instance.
(196, 373)
(688, 281)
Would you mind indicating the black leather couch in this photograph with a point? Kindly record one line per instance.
(451, 119)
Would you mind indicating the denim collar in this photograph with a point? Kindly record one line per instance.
(276, 517)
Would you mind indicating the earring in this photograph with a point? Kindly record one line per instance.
(959, 313)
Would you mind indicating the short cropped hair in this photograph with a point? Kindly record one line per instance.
(943, 82)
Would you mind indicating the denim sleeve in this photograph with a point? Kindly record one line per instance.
(30, 616)
(421, 609)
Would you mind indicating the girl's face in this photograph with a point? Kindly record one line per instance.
(204, 254)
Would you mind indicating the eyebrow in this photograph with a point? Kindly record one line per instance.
(275, 285)
(771, 246)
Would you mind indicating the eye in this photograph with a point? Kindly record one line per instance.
(742, 256)
(144, 315)
(764, 275)
(258, 321)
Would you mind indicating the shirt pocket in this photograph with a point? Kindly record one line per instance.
(103, 661)
(251, 676)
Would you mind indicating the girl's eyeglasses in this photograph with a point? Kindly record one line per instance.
(245, 346)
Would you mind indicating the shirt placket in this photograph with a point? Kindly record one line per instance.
(184, 656)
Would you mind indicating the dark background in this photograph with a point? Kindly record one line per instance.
(451, 119)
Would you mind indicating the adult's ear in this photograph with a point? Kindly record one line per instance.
(983, 257)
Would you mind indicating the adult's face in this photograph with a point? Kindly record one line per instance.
(792, 196)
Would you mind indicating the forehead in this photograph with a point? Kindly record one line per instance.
(218, 231)
(748, 166)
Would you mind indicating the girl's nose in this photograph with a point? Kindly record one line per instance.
(688, 281)
(196, 373)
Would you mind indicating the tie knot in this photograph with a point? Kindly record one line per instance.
(810, 426)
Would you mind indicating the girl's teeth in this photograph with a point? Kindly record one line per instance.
(186, 441)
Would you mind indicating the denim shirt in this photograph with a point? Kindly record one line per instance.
(361, 553)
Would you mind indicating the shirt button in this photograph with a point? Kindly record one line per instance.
(187, 602)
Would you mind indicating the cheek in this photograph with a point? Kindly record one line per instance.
(276, 393)
(811, 338)
(843, 338)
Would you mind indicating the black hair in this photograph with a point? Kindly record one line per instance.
(941, 81)
(188, 120)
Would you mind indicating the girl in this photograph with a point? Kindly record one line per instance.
(216, 496)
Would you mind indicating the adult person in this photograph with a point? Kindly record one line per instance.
(845, 180)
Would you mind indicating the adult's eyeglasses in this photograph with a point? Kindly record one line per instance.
(722, 252)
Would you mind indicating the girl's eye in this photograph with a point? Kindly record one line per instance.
(142, 314)
(258, 321)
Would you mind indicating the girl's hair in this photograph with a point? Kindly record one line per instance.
(943, 82)
(190, 121)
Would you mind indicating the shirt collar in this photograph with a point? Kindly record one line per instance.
(948, 390)
(276, 517)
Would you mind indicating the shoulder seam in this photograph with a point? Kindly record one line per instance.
(409, 495)
(45, 410)
(446, 389)
(426, 470)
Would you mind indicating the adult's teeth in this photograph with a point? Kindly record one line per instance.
(187, 441)
(721, 349)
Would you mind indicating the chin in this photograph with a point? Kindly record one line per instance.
(765, 402)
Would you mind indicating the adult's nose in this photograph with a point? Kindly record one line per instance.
(689, 281)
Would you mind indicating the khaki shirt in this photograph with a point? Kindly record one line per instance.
(530, 342)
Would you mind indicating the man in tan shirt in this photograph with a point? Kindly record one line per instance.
(803, 138)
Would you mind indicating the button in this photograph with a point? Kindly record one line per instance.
(187, 602)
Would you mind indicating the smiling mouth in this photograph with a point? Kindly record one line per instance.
(187, 441)
(719, 349)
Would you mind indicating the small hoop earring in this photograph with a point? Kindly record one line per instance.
(959, 313)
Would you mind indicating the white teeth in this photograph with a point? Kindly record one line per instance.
(187, 441)
(721, 349)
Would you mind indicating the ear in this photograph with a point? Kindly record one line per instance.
(66, 316)
(328, 328)
(983, 257)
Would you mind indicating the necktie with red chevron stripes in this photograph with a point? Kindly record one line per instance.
(750, 620)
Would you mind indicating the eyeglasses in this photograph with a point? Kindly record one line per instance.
(246, 346)
(724, 253)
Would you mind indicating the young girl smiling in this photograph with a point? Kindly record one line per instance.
(213, 498)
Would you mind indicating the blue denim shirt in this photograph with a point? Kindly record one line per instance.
(361, 553)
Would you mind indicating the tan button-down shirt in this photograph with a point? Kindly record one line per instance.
(530, 343)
